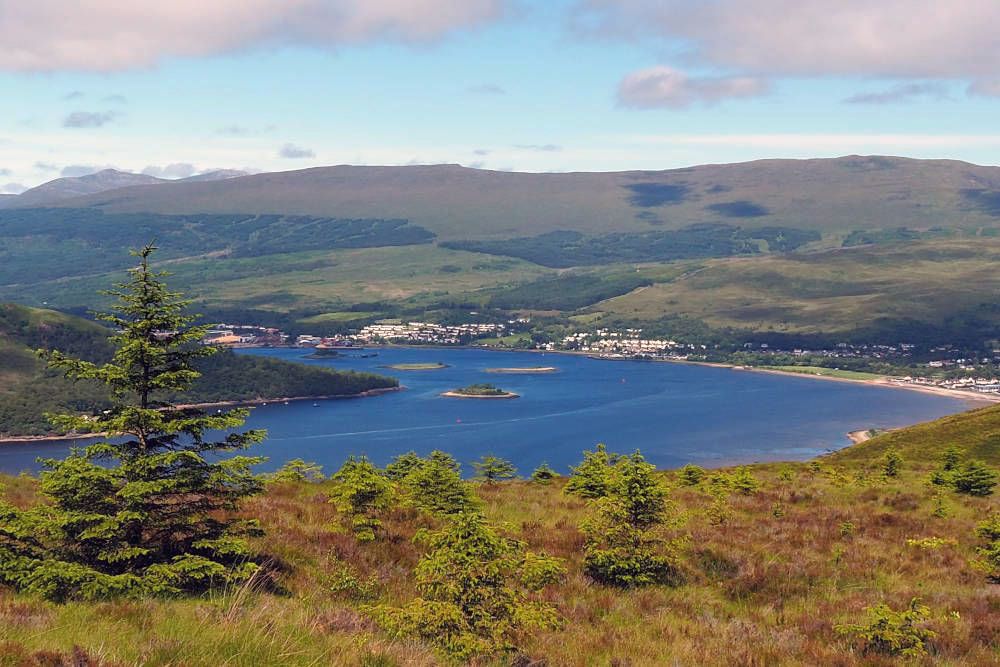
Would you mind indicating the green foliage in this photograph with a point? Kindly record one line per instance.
(564, 249)
(475, 588)
(951, 457)
(543, 474)
(892, 463)
(889, 632)
(591, 479)
(481, 389)
(974, 478)
(491, 469)
(740, 481)
(435, 486)
(566, 292)
(297, 470)
(403, 465)
(155, 519)
(691, 475)
(361, 493)
(989, 551)
(626, 545)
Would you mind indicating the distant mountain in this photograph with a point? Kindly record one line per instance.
(217, 175)
(458, 203)
(77, 186)
(109, 179)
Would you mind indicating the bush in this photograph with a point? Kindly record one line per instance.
(626, 545)
(435, 486)
(543, 474)
(475, 591)
(402, 466)
(491, 469)
(691, 475)
(892, 463)
(974, 478)
(889, 632)
(591, 478)
(361, 493)
(297, 470)
(989, 532)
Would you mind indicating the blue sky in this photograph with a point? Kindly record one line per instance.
(532, 86)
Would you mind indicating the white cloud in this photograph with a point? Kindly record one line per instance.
(291, 151)
(110, 35)
(889, 38)
(900, 93)
(662, 86)
(173, 170)
(89, 118)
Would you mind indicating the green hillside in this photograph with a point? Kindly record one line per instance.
(977, 433)
(28, 390)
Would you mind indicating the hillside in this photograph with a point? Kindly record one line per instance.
(79, 186)
(458, 203)
(976, 432)
(767, 577)
(857, 246)
(28, 390)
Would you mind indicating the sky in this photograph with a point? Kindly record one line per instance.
(179, 88)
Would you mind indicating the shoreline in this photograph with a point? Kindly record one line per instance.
(23, 439)
(505, 395)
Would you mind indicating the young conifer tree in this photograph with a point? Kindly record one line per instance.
(146, 512)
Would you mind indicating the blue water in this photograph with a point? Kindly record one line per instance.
(674, 413)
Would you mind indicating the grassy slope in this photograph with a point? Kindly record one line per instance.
(828, 291)
(977, 432)
(760, 589)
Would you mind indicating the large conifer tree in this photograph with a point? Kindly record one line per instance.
(147, 512)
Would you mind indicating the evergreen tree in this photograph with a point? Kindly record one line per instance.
(892, 463)
(974, 478)
(491, 469)
(155, 519)
(297, 470)
(435, 486)
(402, 465)
(361, 492)
(989, 532)
(691, 475)
(474, 587)
(543, 474)
(626, 542)
(951, 457)
(591, 478)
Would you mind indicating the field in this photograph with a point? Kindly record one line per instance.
(769, 584)
(825, 372)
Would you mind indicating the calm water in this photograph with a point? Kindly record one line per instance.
(674, 413)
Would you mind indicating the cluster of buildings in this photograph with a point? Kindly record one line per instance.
(612, 344)
(238, 335)
(408, 333)
(980, 385)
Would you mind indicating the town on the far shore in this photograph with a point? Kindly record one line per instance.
(606, 343)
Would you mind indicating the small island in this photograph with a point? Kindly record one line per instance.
(427, 366)
(528, 370)
(479, 391)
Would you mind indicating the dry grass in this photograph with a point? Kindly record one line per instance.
(763, 588)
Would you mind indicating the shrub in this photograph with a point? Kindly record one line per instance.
(930, 543)
(402, 465)
(951, 457)
(591, 478)
(543, 474)
(974, 478)
(892, 463)
(491, 469)
(626, 545)
(475, 591)
(361, 493)
(742, 481)
(889, 632)
(297, 470)
(435, 486)
(989, 532)
(691, 475)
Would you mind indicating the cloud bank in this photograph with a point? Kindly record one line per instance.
(662, 86)
(53, 35)
(89, 118)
